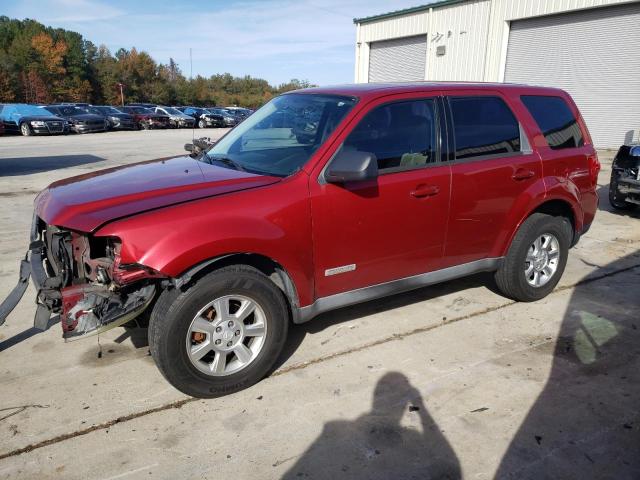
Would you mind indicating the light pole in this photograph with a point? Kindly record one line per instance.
(121, 85)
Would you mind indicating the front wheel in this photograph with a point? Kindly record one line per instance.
(25, 130)
(201, 124)
(536, 258)
(221, 335)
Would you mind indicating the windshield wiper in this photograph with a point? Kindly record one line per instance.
(227, 161)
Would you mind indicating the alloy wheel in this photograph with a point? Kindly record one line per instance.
(541, 262)
(226, 335)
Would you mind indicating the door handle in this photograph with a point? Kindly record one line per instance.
(422, 191)
(523, 174)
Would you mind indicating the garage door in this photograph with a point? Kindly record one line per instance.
(592, 54)
(398, 60)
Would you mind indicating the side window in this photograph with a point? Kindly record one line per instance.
(402, 135)
(483, 126)
(556, 121)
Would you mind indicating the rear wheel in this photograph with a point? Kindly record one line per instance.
(536, 258)
(221, 335)
(25, 129)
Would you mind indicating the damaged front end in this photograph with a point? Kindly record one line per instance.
(80, 277)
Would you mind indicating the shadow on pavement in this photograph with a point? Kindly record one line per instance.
(586, 421)
(376, 446)
(297, 333)
(28, 165)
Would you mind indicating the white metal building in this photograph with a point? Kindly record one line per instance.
(591, 48)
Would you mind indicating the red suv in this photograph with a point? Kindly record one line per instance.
(391, 187)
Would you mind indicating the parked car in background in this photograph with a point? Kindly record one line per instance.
(146, 118)
(240, 111)
(228, 118)
(31, 120)
(117, 120)
(79, 120)
(203, 117)
(624, 186)
(177, 119)
(397, 186)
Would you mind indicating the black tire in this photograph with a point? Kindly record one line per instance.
(175, 309)
(510, 277)
(616, 199)
(25, 129)
(201, 124)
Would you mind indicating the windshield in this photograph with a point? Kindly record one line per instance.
(93, 110)
(172, 111)
(109, 110)
(31, 110)
(281, 137)
(70, 110)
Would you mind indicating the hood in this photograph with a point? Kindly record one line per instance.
(87, 202)
(42, 118)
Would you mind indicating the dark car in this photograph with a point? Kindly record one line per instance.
(395, 187)
(624, 187)
(31, 120)
(239, 112)
(229, 119)
(177, 119)
(79, 120)
(145, 118)
(117, 120)
(203, 117)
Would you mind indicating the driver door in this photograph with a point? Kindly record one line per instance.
(394, 226)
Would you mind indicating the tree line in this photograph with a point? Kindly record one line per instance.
(40, 64)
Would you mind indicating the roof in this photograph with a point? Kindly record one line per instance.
(374, 90)
(406, 11)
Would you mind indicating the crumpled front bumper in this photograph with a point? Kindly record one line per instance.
(84, 308)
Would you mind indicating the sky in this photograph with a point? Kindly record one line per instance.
(273, 39)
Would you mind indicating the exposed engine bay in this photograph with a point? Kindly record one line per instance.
(79, 277)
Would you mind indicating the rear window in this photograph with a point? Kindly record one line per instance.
(556, 121)
(483, 126)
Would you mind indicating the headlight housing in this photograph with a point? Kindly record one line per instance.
(38, 123)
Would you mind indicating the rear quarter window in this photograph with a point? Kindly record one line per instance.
(555, 120)
(484, 126)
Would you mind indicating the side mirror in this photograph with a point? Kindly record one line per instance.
(352, 166)
(189, 147)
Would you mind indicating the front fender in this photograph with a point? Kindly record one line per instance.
(274, 222)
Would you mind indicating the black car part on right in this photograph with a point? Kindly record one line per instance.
(624, 188)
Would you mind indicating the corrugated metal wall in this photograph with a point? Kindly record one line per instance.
(481, 49)
(459, 28)
(592, 54)
(504, 11)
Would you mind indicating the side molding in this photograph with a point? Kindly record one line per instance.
(360, 295)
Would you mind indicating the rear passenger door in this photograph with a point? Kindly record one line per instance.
(492, 166)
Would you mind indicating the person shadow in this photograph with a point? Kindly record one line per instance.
(377, 446)
(585, 424)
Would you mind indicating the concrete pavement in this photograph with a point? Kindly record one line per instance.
(452, 379)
